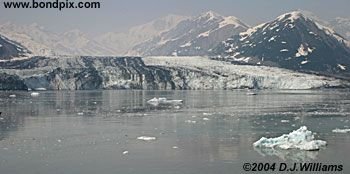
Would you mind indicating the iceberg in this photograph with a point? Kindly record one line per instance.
(301, 139)
(40, 89)
(163, 101)
(146, 138)
(34, 94)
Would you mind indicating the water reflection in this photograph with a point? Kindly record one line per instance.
(291, 155)
(94, 128)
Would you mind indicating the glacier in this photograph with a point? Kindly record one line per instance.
(151, 73)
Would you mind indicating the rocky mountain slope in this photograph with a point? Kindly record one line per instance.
(122, 42)
(10, 49)
(291, 41)
(194, 36)
(43, 42)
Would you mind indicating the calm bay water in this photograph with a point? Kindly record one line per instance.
(89, 132)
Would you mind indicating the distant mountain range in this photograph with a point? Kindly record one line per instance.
(46, 43)
(295, 40)
(122, 42)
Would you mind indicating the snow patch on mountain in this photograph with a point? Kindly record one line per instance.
(303, 51)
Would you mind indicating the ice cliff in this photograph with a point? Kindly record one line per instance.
(195, 73)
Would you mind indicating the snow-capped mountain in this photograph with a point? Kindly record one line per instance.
(10, 49)
(75, 42)
(121, 42)
(194, 36)
(291, 41)
(45, 43)
(34, 37)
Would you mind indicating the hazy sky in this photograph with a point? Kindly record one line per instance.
(118, 15)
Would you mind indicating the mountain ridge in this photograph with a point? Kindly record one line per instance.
(292, 41)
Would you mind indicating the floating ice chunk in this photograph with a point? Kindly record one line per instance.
(302, 139)
(34, 94)
(80, 113)
(146, 138)
(206, 119)
(341, 130)
(159, 101)
(207, 113)
(190, 121)
(284, 121)
(251, 93)
(296, 118)
(125, 152)
(175, 147)
(12, 96)
(40, 89)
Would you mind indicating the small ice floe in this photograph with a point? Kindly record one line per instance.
(251, 93)
(207, 113)
(341, 130)
(297, 118)
(34, 94)
(163, 101)
(12, 96)
(191, 121)
(284, 121)
(125, 152)
(40, 89)
(206, 119)
(175, 147)
(301, 139)
(80, 113)
(146, 138)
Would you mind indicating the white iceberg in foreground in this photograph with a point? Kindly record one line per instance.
(159, 101)
(302, 139)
